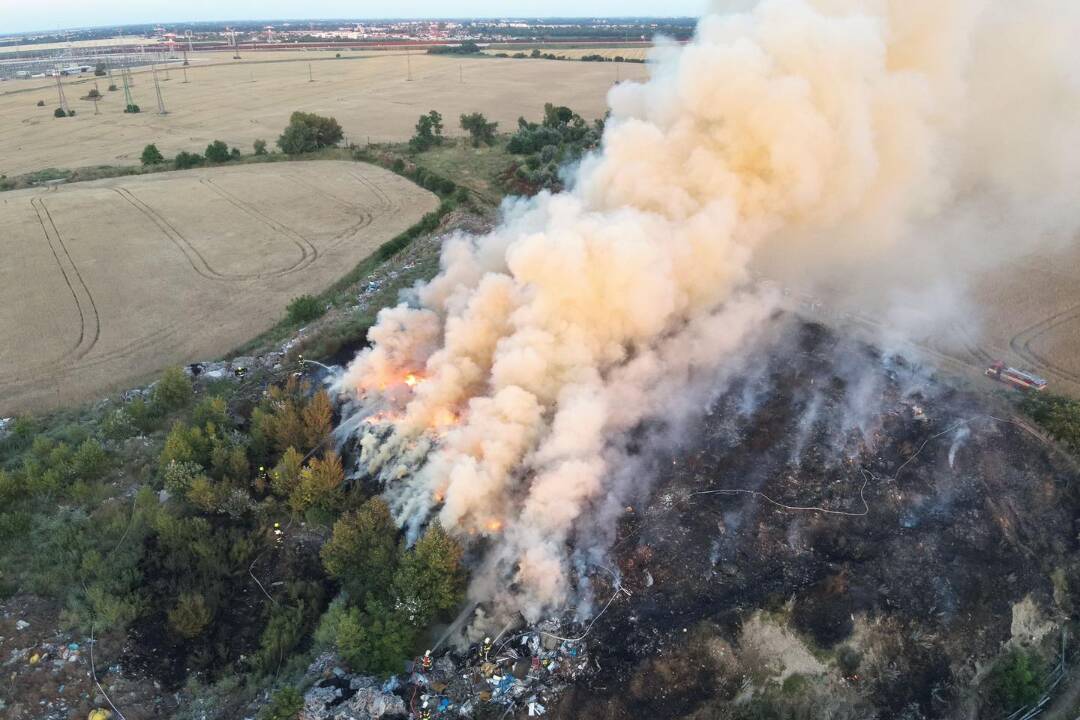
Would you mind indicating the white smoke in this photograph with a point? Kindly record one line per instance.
(853, 143)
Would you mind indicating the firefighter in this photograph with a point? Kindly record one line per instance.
(279, 534)
(425, 662)
(486, 647)
(300, 360)
(425, 711)
(240, 372)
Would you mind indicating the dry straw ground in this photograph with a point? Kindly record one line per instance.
(106, 282)
(237, 102)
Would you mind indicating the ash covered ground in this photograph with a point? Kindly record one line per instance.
(959, 539)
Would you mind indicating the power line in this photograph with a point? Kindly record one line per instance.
(60, 90)
(157, 89)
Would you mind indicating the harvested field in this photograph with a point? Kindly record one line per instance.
(240, 101)
(107, 282)
(1028, 315)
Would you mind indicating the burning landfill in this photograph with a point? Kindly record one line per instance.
(522, 396)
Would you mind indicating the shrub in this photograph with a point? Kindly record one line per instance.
(90, 461)
(132, 108)
(217, 152)
(260, 147)
(59, 112)
(185, 160)
(113, 88)
(362, 552)
(479, 129)
(1058, 415)
(234, 154)
(304, 309)
(172, 392)
(285, 704)
(41, 103)
(100, 71)
(1014, 680)
(93, 94)
(152, 156)
(190, 616)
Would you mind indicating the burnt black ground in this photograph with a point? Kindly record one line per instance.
(940, 556)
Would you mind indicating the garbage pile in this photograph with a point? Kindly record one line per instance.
(524, 672)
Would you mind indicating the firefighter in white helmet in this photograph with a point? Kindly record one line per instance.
(486, 647)
(425, 662)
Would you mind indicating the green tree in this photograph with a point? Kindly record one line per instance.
(100, 70)
(429, 129)
(297, 139)
(173, 391)
(152, 156)
(430, 581)
(480, 130)
(217, 152)
(260, 147)
(320, 485)
(375, 639)
(362, 552)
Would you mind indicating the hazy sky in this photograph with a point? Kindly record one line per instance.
(22, 15)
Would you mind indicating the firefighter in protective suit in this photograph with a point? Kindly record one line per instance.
(425, 711)
(425, 662)
(485, 649)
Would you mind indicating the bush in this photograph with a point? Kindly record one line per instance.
(113, 88)
(185, 160)
(285, 704)
(100, 71)
(41, 103)
(1058, 415)
(190, 616)
(217, 152)
(93, 94)
(260, 147)
(1014, 680)
(319, 486)
(479, 129)
(172, 392)
(152, 156)
(59, 112)
(362, 552)
(304, 309)
(234, 154)
(132, 108)
(466, 48)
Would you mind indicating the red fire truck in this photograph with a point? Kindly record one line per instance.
(1017, 378)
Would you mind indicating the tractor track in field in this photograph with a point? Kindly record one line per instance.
(366, 218)
(85, 305)
(1021, 344)
(308, 252)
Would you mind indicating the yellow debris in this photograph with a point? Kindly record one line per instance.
(34, 659)
(99, 714)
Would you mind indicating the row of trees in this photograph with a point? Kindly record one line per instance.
(217, 152)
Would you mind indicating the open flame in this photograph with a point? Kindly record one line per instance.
(411, 380)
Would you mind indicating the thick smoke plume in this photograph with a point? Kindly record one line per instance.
(879, 146)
